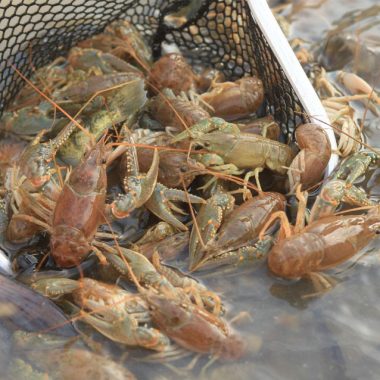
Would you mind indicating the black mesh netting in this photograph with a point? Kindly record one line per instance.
(219, 33)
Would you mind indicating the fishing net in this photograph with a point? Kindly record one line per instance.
(216, 33)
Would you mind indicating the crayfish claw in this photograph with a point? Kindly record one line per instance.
(160, 204)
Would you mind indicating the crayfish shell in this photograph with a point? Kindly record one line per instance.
(171, 71)
(310, 163)
(234, 100)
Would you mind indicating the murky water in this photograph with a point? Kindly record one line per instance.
(290, 333)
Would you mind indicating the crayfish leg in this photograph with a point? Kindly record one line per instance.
(255, 173)
(285, 227)
(100, 256)
(301, 213)
(322, 283)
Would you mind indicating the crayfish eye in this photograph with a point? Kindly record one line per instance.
(183, 169)
(207, 144)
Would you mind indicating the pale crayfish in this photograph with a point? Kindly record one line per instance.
(116, 313)
(250, 151)
(305, 251)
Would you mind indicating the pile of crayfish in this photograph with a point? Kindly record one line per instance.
(106, 143)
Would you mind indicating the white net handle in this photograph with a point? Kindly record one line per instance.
(263, 16)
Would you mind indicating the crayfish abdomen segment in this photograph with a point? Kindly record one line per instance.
(69, 246)
(297, 256)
